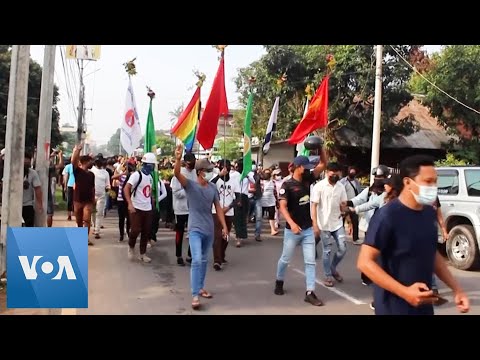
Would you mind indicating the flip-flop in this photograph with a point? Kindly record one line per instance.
(328, 282)
(195, 303)
(337, 277)
(205, 294)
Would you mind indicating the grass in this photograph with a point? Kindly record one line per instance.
(61, 204)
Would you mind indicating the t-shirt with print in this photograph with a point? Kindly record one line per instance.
(142, 200)
(200, 200)
(407, 241)
(226, 194)
(297, 195)
(84, 186)
(33, 181)
(329, 197)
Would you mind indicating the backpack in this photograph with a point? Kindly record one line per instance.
(137, 184)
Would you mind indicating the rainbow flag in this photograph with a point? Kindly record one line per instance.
(186, 125)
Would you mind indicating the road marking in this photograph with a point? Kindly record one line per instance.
(69, 312)
(335, 290)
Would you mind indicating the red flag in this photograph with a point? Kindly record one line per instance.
(216, 106)
(316, 116)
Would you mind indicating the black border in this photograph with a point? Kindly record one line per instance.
(237, 23)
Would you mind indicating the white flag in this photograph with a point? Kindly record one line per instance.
(300, 146)
(130, 132)
(272, 125)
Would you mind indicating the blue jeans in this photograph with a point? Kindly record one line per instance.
(258, 217)
(330, 266)
(290, 241)
(200, 246)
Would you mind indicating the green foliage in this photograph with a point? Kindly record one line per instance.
(113, 145)
(166, 174)
(228, 149)
(456, 70)
(166, 144)
(351, 87)
(451, 160)
(33, 102)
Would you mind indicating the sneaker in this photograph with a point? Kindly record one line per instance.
(180, 261)
(131, 253)
(144, 258)
(279, 287)
(258, 238)
(217, 267)
(121, 238)
(358, 242)
(364, 283)
(224, 262)
(372, 306)
(311, 298)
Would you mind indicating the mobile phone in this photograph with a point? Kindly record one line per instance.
(440, 300)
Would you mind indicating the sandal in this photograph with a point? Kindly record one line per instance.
(205, 294)
(337, 277)
(328, 282)
(195, 303)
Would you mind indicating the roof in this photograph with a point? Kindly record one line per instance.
(429, 136)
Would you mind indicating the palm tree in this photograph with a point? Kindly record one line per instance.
(174, 115)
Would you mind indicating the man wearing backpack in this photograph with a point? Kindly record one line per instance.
(138, 194)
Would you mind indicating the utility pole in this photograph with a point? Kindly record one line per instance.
(81, 106)
(377, 111)
(42, 163)
(12, 197)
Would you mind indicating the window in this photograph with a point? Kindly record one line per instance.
(472, 178)
(447, 182)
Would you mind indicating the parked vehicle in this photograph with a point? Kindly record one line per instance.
(459, 194)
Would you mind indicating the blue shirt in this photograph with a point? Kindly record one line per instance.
(407, 241)
(200, 200)
(71, 178)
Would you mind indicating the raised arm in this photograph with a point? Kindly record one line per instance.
(178, 166)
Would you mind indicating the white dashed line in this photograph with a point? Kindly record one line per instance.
(334, 290)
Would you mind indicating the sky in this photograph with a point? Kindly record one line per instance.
(167, 70)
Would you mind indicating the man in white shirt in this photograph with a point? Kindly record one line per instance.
(327, 198)
(229, 194)
(102, 186)
(138, 194)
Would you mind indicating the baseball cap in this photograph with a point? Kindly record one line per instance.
(303, 161)
(203, 164)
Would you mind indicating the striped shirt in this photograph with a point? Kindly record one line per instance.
(120, 188)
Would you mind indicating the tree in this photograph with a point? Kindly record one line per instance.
(166, 144)
(33, 102)
(175, 114)
(113, 145)
(228, 148)
(455, 70)
(351, 87)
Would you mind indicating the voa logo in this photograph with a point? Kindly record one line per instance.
(64, 267)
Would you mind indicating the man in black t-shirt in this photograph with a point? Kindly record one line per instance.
(294, 199)
(403, 236)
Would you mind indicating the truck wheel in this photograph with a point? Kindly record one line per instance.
(462, 249)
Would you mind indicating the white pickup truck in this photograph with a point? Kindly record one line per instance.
(459, 194)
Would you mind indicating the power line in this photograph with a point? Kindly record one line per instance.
(431, 83)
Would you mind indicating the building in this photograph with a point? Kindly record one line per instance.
(430, 139)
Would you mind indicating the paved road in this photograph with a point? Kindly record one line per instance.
(245, 286)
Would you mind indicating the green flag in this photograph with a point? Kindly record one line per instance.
(247, 139)
(151, 146)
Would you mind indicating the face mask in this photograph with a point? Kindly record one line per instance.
(278, 177)
(147, 169)
(352, 175)
(333, 179)
(208, 176)
(426, 194)
(254, 167)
